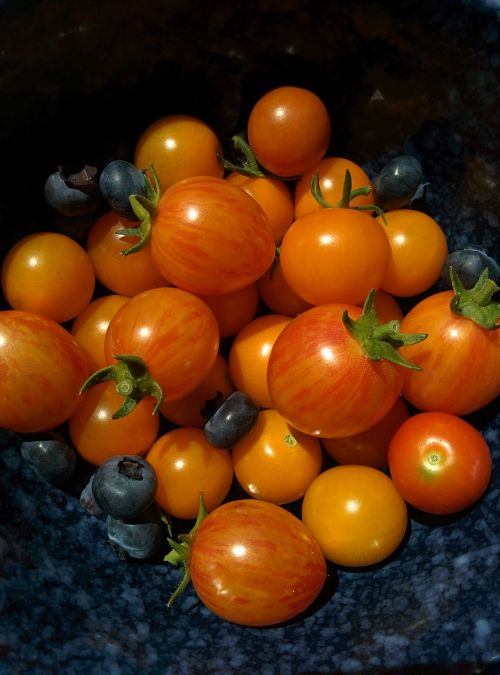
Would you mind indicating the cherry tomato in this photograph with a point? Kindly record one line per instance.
(332, 171)
(254, 563)
(370, 447)
(42, 369)
(50, 274)
(322, 381)
(275, 462)
(90, 326)
(233, 310)
(249, 356)
(387, 308)
(334, 255)
(174, 332)
(125, 275)
(289, 130)
(210, 237)
(179, 146)
(185, 464)
(188, 411)
(274, 197)
(277, 294)
(439, 462)
(97, 436)
(418, 251)
(356, 515)
(460, 360)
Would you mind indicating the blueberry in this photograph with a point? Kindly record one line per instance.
(468, 264)
(52, 460)
(139, 537)
(124, 486)
(120, 179)
(88, 501)
(398, 182)
(73, 193)
(231, 421)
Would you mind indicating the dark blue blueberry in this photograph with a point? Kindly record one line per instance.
(231, 421)
(88, 501)
(124, 486)
(120, 179)
(468, 264)
(398, 182)
(52, 460)
(139, 537)
(73, 193)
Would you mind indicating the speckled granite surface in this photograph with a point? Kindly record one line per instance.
(67, 604)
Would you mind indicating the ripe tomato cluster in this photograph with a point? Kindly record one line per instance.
(276, 277)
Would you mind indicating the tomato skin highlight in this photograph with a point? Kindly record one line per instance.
(209, 236)
(41, 371)
(439, 463)
(253, 563)
(174, 332)
(322, 382)
(454, 348)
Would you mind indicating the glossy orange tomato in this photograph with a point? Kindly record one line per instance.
(276, 294)
(370, 447)
(418, 251)
(332, 171)
(179, 146)
(173, 332)
(210, 237)
(90, 326)
(249, 356)
(275, 462)
(335, 255)
(97, 436)
(274, 197)
(42, 369)
(439, 462)
(460, 360)
(255, 564)
(233, 310)
(289, 130)
(48, 273)
(355, 514)
(124, 275)
(185, 464)
(187, 411)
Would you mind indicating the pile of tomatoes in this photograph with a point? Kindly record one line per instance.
(277, 279)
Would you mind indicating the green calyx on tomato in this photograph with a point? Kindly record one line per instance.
(249, 166)
(348, 194)
(181, 550)
(476, 303)
(133, 382)
(144, 208)
(380, 341)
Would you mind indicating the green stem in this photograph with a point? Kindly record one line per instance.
(145, 210)
(348, 194)
(250, 166)
(477, 303)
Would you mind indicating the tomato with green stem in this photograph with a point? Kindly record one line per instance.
(439, 463)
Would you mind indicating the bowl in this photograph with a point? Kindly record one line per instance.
(82, 80)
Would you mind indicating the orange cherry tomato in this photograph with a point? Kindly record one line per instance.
(186, 464)
(125, 275)
(273, 196)
(370, 447)
(418, 251)
(187, 411)
(386, 307)
(90, 326)
(179, 146)
(289, 130)
(97, 436)
(249, 355)
(331, 180)
(233, 310)
(355, 514)
(50, 274)
(274, 461)
(276, 294)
